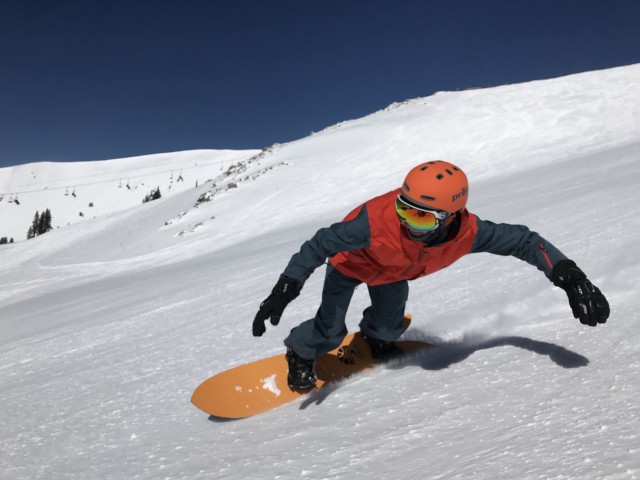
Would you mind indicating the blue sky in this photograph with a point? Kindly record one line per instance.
(98, 79)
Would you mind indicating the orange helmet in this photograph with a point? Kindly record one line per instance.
(437, 185)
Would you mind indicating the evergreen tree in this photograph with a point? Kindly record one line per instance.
(4, 240)
(33, 229)
(47, 221)
(153, 195)
(41, 224)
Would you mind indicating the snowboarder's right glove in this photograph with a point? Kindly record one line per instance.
(284, 292)
(586, 300)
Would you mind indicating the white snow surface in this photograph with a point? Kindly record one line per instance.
(108, 324)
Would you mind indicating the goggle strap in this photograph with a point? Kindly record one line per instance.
(438, 214)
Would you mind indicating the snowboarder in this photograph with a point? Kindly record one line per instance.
(405, 234)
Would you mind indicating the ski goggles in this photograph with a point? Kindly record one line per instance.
(419, 219)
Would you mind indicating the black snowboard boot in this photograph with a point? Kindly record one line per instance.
(302, 377)
(381, 349)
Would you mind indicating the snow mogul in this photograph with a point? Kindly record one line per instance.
(403, 235)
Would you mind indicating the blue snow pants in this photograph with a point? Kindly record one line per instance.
(382, 320)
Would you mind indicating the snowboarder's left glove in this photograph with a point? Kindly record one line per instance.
(586, 300)
(284, 292)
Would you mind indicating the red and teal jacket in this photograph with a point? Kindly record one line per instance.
(372, 246)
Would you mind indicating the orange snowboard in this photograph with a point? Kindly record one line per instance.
(259, 386)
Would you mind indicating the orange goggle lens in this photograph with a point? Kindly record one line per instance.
(419, 219)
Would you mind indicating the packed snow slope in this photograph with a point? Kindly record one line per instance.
(109, 324)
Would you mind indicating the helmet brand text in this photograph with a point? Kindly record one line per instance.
(459, 195)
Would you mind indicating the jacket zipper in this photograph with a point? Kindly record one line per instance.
(407, 270)
(546, 257)
(410, 267)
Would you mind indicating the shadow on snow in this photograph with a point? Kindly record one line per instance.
(444, 355)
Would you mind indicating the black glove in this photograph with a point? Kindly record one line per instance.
(284, 292)
(587, 302)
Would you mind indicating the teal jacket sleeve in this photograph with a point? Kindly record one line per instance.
(517, 241)
(339, 237)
